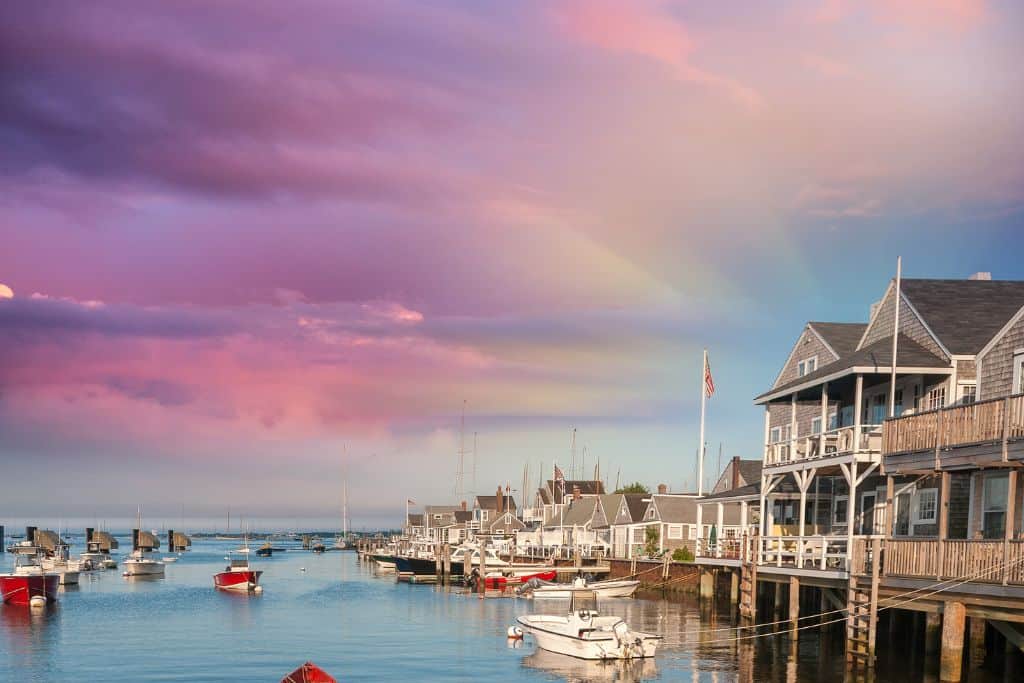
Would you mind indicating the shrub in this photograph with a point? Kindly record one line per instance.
(682, 555)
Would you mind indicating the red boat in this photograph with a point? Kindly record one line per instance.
(238, 576)
(28, 584)
(309, 673)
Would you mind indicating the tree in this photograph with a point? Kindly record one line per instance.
(635, 487)
(651, 536)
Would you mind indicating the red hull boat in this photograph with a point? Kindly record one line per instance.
(19, 589)
(309, 673)
(237, 579)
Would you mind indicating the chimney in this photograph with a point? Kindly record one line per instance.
(576, 492)
(662, 489)
(501, 500)
(463, 506)
(980, 275)
(736, 471)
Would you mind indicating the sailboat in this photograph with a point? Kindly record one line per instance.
(141, 561)
(341, 542)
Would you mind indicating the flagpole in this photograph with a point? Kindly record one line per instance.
(700, 451)
(895, 338)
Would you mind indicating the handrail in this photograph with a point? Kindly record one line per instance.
(986, 560)
(990, 421)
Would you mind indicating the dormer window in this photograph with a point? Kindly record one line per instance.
(807, 366)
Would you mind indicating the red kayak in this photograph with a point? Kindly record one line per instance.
(20, 589)
(309, 673)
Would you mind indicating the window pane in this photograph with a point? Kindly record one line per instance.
(996, 490)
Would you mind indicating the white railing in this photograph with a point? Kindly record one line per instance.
(838, 441)
(805, 552)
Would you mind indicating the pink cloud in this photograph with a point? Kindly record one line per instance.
(917, 14)
(645, 28)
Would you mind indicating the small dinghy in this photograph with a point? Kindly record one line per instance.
(309, 673)
(583, 633)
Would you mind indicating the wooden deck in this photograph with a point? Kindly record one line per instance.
(986, 431)
(975, 561)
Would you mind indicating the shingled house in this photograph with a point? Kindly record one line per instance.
(944, 465)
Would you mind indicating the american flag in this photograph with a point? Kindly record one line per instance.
(709, 383)
(410, 501)
(560, 478)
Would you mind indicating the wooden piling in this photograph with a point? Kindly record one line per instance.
(932, 632)
(707, 584)
(734, 587)
(976, 646)
(953, 617)
(794, 605)
(777, 602)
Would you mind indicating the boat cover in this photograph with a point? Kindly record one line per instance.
(309, 673)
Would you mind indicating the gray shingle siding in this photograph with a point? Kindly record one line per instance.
(881, 327)
(997, 364)
(966, 369)
(807, 346)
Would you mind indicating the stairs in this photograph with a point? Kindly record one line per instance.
(861, 622)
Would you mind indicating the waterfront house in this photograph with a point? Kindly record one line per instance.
(488, 508)
(624, 513)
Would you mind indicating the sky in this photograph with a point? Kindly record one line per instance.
(246, 247)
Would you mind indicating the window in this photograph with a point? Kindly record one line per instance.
(692, 533)
(899, 403)
(935, 398)
(1018, 371)
(996, 491)
(839, 510)
(779, 434)
(926, 503)
(968, 394)
(675, 531)
(816, 425)
(483, 515)
(806, 367)
(650, 513)
(833, 421)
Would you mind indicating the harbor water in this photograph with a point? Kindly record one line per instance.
(359, 624)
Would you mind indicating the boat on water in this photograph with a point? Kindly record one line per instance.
(585, 634)
(67, 569)
(98, 547)
(309, 673)
(143, 561)
(239, 576)
(541, 590)
(492, 563)
(28, 584)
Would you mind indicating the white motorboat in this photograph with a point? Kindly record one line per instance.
(141, 562)
(541, 590)
(583, 633)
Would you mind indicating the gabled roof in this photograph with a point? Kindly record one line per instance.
(463, 516)
(750, 470)
(579, 512)
(637, 506)
(842, 337)
(491, 502)
(609, 503)
(676, 509)
(964, 314)
(876, 356)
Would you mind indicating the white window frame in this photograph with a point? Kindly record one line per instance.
(835, 509)
(675, 532)
(963, 388)
(803, 368)
(915, 507)
(692, 532)
(1018, 372)
(931, 398)
(816, 430)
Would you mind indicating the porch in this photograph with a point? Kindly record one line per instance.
(997, 562)
(977, 434)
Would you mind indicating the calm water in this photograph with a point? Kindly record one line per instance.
(356, 624)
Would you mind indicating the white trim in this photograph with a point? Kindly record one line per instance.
(874, 315)
(792, 353)
(835, 500)
(1001, 333)
(862, 369)
(805, 363)
(915, 507)
(1018, 372)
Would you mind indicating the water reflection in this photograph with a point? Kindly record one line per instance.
(581, 670)
(29, 635)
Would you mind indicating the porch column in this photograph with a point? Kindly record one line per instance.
(721, 529)
(767, 432)
(1011, 515)
(792, 428)
(743, 518)
(943, 526)
(858, 398)
(764, 516)
(890, 528)
(824, 419)
(851, 509)
(700, 530)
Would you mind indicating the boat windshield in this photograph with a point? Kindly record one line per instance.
(583, 600)
(239, 563)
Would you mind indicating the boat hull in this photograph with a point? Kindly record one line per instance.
(416, 565)
(19, 590)
(147, 568)
(604, 589)
(237, 581)
(549, 634)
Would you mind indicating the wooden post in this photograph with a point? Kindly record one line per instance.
(1006, 429)
(824, 419)
(976, 648)
(792, 428)
(943, 525)
(707, 584)
(858, 398)
(734, 586)
(483, 571)
(876, 562)
(794, 605)
(952, 642)
(932, 630)
(1011, 516)
(890, 527)
(777, 602)
(700, 551)
(721, 530)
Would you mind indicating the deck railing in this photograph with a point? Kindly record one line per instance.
(967, 561)
(993, 421)
(838, 441)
